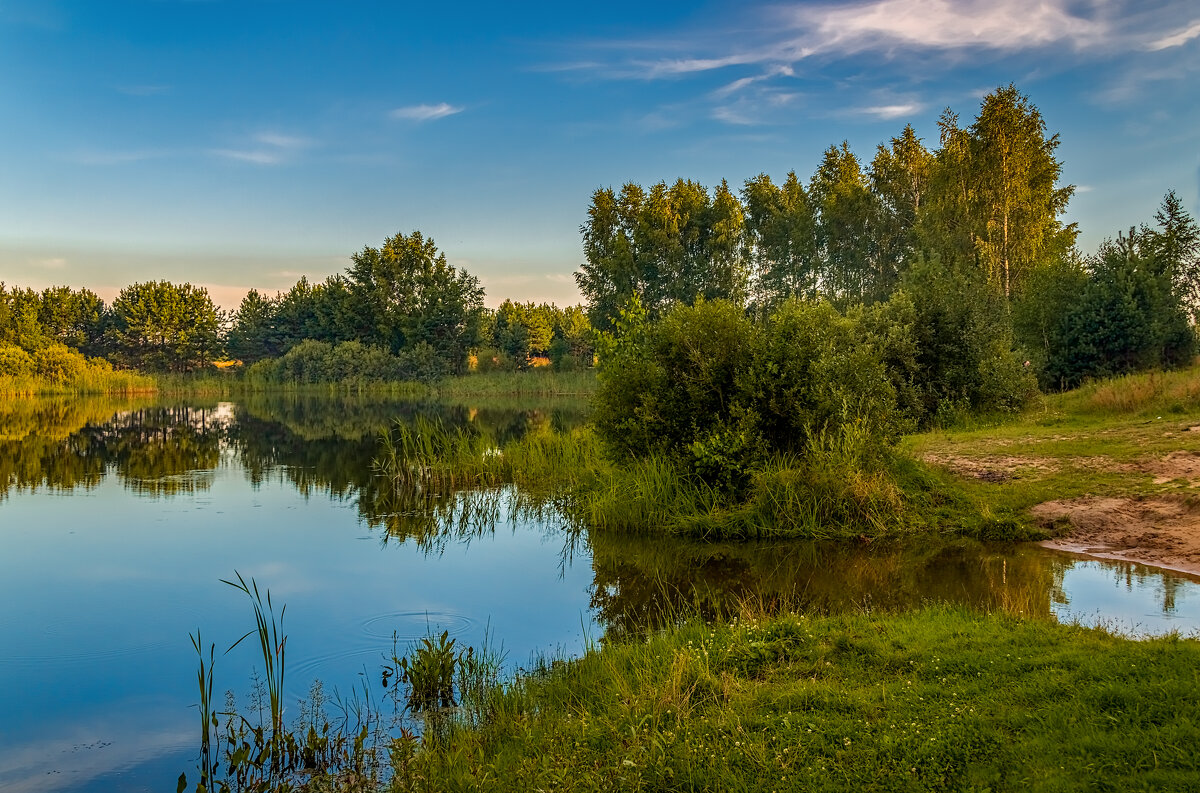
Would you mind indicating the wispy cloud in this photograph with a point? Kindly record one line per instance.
(1177, 38)
(889, 112)
(426, 112)
(795, 31)
(266, 148)
(54, 263)
(947, 25)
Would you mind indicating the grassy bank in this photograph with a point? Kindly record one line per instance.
(937, 699)
(934, 699)
(832, 493)
(87, 382)
(1106, 438)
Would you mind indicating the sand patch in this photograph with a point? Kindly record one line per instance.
(1163, 531)
(1183, 465)
(992, 468)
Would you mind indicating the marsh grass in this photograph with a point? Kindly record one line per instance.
(93, 380)
(434, 689)
(839, 490)
(1170, 392)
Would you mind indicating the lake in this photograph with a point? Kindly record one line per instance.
(120, 518)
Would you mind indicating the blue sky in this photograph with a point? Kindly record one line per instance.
(242, 144)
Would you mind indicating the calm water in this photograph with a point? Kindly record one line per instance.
(118, 520)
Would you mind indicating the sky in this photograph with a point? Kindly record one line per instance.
(240, 145)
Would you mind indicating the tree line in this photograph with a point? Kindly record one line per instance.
(985, 207)
(399, 311)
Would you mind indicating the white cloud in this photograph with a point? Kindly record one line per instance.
(948, 24)
(280, 141)
(1176, 39)
(256, 156)
(795, 31)
(889, 112)
(426, 112)
(268, 148)
(56, 263)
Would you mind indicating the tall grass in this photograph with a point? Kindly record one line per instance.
(840, 489)
(90, 381)
(937, 699)
(539, 381)
(1175, 391)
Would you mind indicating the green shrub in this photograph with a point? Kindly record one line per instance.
(15, 362)
(58, 364)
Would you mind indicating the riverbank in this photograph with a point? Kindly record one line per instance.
(936, 699)
(1111, 469)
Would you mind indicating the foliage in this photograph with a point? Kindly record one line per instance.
(405, 294)
(1123, 310)
(963, 343)
(666, 245)
(164, 327)
(348, 364)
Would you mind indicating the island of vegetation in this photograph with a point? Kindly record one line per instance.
(915, 347)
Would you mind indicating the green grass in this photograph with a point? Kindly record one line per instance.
(541, 381)
(832, 493)
(1101, 439)
(91, 381)
(937, 699)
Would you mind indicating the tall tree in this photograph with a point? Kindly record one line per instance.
(845, 242)
(995, 199)
(899, 177)
(780, 233)
(609, 276)
(669, 244)
(74, 318)
(1176, 245)
(407, 294)
(161, 326)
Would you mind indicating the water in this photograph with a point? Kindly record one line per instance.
(118, 520)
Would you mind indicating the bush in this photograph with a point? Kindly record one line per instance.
(711, 390)
(14, 362)
(965, 355)
(350, 363)
(58, 364)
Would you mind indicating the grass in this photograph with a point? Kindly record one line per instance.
(936, 699)
(91, 381)
(540, 381)
(834, 492)
(939, 698)
(1100, 439)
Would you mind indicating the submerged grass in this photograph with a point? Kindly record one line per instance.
(830, 493)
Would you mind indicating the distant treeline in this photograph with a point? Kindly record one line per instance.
(985, 207)
(399, 312)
